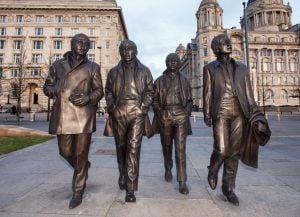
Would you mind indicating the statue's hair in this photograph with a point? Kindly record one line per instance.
(215, 43)
(128, 42)
(171, 56)
(77, 36)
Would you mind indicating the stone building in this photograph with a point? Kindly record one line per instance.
(34, 33)
(274, 49)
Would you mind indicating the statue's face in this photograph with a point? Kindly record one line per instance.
(172, 63)
(128, 53)
(225, 46)
(81, 46)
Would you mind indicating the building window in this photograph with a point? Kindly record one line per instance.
(279, 53)
(107, 44)
(14, 72)
(2, 31)
(205, 53)
(14, 88)
(16, 58)
(17, 44)
(2, 18)
(57, 45)
(265, 52)
(37, 44)
(38, 31)
(75, 19)
(19, 31)
(56, 57)
(92, 19)
(91, 31)
(36, 58)
(1, 58)
(58, 31)
(39, 18)
(279, 65)
(293, 65)
(91, 57)
(75, 31)
(92, 45)
(2, 44)
(35, 72)
(59, 18)
(1, 74)
(20, 18)
(266, 66)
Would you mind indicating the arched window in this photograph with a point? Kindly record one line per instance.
(283, 95)
(265, 65)
(14, 90)
(293, 65)
(279, 65)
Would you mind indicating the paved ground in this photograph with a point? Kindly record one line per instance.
(36, 182)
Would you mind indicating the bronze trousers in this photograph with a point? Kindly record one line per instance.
(75, 149)
(174, 126)
(128, 126)
(228, 131)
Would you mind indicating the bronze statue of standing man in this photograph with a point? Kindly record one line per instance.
(227, 102)
(75, 84)
(128, 94)
(173, 105)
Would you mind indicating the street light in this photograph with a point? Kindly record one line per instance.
(254, 83)
(99, 47)
(263, 92)
(246, 35)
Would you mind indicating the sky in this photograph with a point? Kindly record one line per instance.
(159, 26)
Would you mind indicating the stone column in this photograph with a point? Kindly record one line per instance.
(287, 69)
(273, 67)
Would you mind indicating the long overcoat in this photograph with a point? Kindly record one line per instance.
(62, 81)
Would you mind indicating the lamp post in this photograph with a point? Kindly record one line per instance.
(246, 35)
(99, 47)
(254, 83)
(263, 93)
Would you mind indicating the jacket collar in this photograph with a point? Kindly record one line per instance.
(138, 65)
(217, 62)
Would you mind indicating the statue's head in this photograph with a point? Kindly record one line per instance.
(128, 50)
(173, 62)
(80, 44)
(221, 44)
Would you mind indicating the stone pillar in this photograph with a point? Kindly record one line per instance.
(287, 69)
(273, 67)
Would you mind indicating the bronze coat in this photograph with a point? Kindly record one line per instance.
(115, 83)
(214, 89)
(160, 95)
(63, 80)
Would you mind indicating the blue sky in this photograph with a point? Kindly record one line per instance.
(159, 26)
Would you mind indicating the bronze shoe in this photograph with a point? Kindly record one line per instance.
(183, 189)
(168, 176)
(75, 201)
(130, 197)
(212, 180)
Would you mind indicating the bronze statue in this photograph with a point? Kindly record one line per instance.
(75, 84)
(172, 105)
(227, 104)
(128, 94)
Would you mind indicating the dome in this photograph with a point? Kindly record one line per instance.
(204, 2)
(250, 2)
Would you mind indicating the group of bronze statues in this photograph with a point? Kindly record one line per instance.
(75, 84)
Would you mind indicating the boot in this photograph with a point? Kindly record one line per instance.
(230, 195)
(130, 197)
(75, 201)
(183, 189)
(168, 175)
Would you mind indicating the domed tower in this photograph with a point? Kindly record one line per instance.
(268, 15)
(209, 16)
(180, 51)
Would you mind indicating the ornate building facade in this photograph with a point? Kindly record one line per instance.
(34, 33)
(273, 44)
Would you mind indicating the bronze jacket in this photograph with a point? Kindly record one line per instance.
(160, 95)
(214, 89)
(63, 80)
(114, 85)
